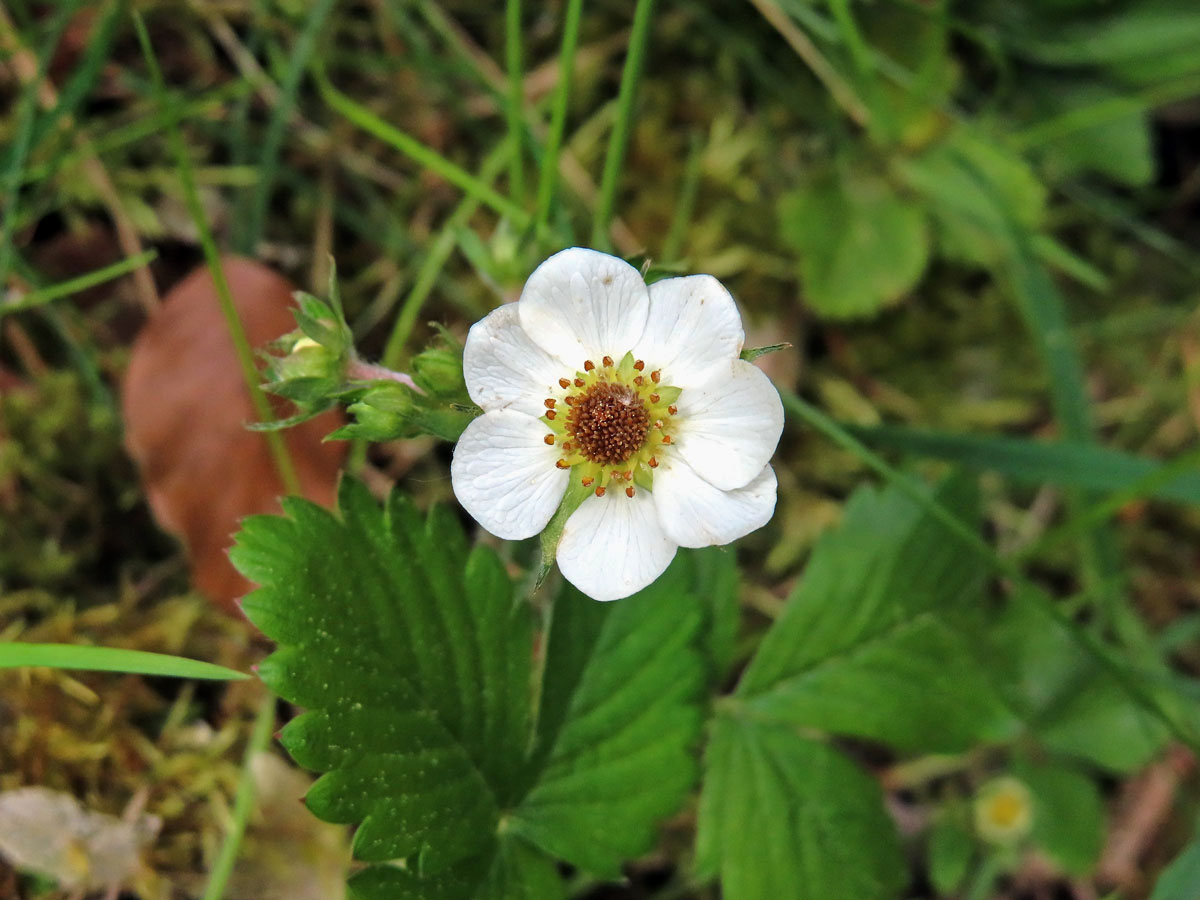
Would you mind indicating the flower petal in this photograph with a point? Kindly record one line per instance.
(693, 327)
(504, 369)
(696, 514)
(614, 546)
(729, 427)
(581, 304)
(504, 475)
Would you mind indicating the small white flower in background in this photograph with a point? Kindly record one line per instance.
(638, 394)
(1003, 810)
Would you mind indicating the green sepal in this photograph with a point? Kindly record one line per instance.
(750, 354)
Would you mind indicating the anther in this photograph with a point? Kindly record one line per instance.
(629, 475)
(608, 360)
(549, 439)
(568, 446)
(549, 403)
(629, 491)
(600, 491)
(588, 365)
(570, 401)
(563, 383)
(639, 380)
(579, 382)
(562, 464)
(656, 376)
(639, 365)
(666, 439)
(672, 409)
(658, 423)
(654, 398)
(550, 414)
(587, 482)
(652, 463)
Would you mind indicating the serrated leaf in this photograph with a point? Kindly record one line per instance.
(861, 245)
(1064, 695)
(415, 663)
(861, 648)
(620, 721)
(782, 816)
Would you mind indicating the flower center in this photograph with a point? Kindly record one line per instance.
(608, 424)
(614, 424)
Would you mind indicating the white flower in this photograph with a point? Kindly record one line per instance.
(638, 394)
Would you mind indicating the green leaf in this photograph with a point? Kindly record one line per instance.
(619, 722)
(1065, 696)
(416, 664)
(782, 816)
(861, 648)
(109, 659)
(951, 850)
(1178, 880)
(1068, 815)
(861, 245)
(715, 582)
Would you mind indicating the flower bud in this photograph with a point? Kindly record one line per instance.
(439, 370)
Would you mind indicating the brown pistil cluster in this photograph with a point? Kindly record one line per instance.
(608, 424)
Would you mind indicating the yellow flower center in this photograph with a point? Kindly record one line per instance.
(613, 419)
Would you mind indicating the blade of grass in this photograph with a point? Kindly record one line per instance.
(415, 150)
(237, 334)
(435, 259)
(681, 218)
(23, 138)
(16, 654)
(548, 174)
(839, 89)
(79, 85)
(1132, 681)
(618, 141)
(46, 295)
(1087, 466)
(1152, 483)
(516, 98)
(243, 802)
(247, 238)
(117, 137)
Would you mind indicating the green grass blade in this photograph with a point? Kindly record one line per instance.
(237, 334)
(618, 141)
(415, 150)
(243, 802)
(516, 98)
(1085, 466)
(42, 296)
(435, 260)
(248, 237)
(548, 175)
(25, 121)
(16, 654)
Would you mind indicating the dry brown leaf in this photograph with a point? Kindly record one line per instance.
(186, 409)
